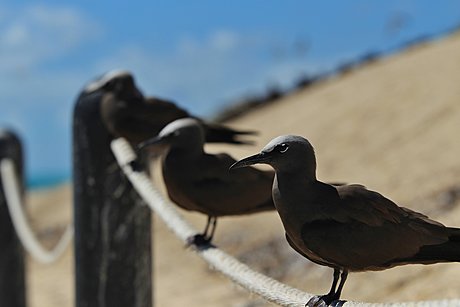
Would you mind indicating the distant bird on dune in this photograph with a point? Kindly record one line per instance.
(127, 113)
(198, 181)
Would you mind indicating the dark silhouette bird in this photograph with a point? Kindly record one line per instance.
(347, 227)
(127, 113)
(198, 181)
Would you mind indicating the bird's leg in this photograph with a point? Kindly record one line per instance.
(343, 278)
(206, 228)
(332, 298)
(334, 282)
(213, 224)
(204, 238)
(136, 165)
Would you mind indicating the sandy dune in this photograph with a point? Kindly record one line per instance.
(391, 125)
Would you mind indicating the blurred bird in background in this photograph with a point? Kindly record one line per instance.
(198, 181)
(127, 113)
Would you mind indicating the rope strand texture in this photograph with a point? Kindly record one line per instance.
(18, 217)
(266, 287)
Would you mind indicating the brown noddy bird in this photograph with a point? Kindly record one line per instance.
(127, 113)
(198, 181)
(347, 227)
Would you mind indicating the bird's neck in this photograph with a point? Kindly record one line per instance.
(286, 181)
(291, 197)
(300, 173)
(290, 189)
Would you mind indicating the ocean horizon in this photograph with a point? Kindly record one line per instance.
(35, 182)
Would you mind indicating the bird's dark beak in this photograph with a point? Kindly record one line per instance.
(155, 141)
(258, 158)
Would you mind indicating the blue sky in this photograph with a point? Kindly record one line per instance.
(202, 54)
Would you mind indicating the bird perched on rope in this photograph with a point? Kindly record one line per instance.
(348, 227)
(201, 182)
(127, 113)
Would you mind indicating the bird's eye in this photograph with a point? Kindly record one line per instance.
(176, 133)
(282, 148)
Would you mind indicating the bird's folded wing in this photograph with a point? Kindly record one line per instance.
(165, 106)
(373, 209)
(230, 192)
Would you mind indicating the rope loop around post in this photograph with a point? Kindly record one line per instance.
(255, 282)
(20, 222)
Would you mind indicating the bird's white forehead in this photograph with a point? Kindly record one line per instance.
(97, 84)
(178, 124)
(284, 139)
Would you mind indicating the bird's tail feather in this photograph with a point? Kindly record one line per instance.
(445, 252)
(217, 133)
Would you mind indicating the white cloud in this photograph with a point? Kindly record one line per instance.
(218, 41)
(224, 40)
(34, 34)
(14, 36)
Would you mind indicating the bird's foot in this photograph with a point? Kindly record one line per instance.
(199, 241)
(136, 166)
(324, 301)
(337, 303)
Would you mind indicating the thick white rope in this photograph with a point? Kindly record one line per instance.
(18, 217)
(255, 282)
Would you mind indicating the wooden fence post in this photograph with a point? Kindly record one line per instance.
(112, 224)
(12, 269)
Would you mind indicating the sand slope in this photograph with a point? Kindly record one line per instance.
(391, 125)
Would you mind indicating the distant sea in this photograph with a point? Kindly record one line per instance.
(47, 181)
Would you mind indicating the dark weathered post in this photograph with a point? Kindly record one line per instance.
(12, 271)
(112, 225)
